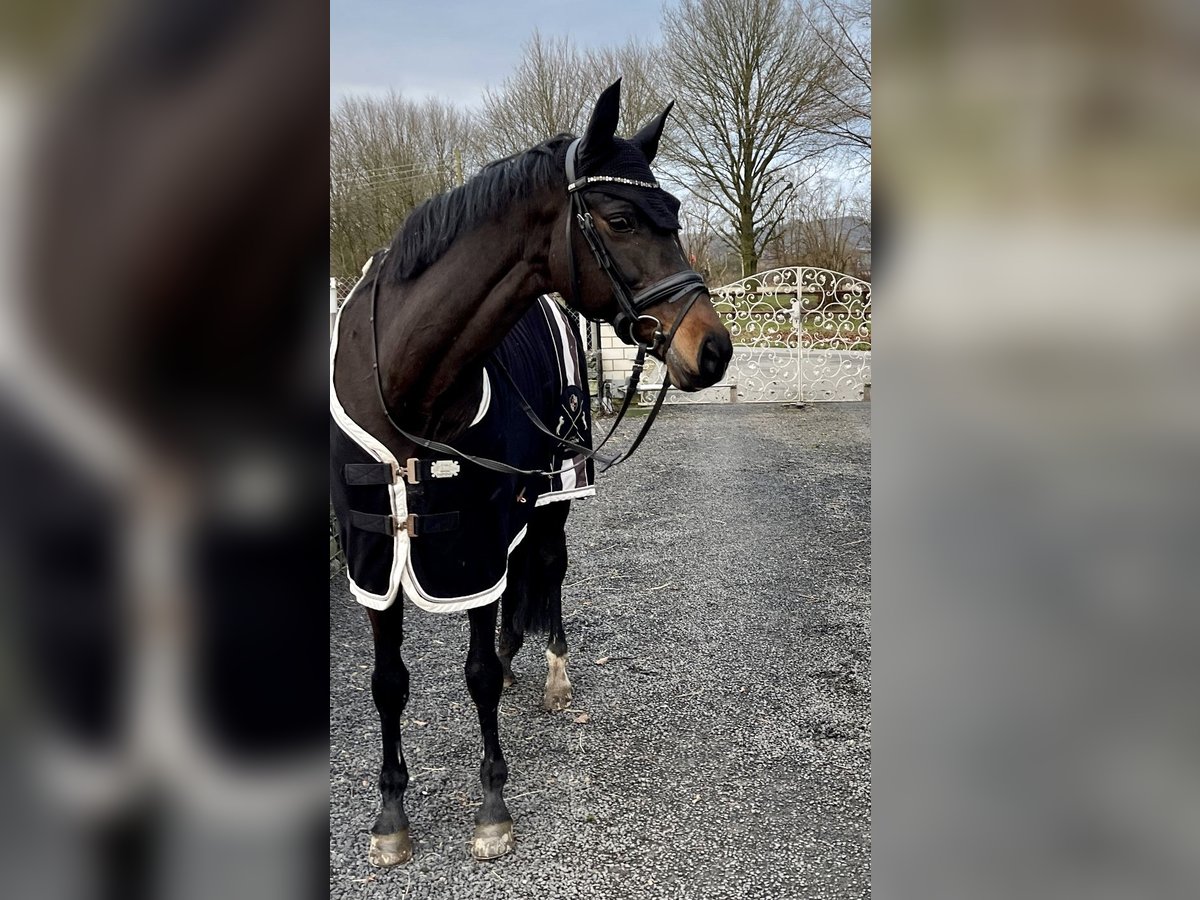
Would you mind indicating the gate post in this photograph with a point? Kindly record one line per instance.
(798, 330)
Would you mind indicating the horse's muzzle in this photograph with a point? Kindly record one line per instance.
(712, 359)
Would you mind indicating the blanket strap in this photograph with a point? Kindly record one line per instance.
(415, 471)
(414, 525)
(368, 473)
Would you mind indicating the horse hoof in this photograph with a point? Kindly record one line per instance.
(509, 679)
(390, 849)
(492, 841)
(557, 701)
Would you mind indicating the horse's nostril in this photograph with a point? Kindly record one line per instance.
(712, 362)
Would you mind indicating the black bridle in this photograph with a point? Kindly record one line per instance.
(631, 309)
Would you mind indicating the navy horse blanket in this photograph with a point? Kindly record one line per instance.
(467, 519)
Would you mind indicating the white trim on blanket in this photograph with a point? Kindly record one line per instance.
(401, 574)
(574, 493)
(396, 495)
(571, 489)
(485, 401)
(413, 591)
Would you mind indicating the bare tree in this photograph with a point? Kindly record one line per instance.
(543, 96)
(554, 88)
(703, 242)
(831, 230)
(844, 26)
(386, 155)
(643, 93)
(766, 90)
(754, 83)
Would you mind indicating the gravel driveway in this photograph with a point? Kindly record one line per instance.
(725, 575)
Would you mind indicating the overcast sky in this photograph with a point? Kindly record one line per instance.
(456, 48)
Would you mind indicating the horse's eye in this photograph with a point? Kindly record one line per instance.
(620, 223)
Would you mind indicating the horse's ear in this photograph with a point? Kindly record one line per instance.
(646, 140)
(597, 138)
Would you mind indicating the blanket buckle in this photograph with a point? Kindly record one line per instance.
(430, 523)
(418, 470)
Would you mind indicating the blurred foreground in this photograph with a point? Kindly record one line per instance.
(162, 334)
(1036, 438)
(162, 262)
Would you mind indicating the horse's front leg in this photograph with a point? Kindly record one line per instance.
(485, 680)
(390, 844)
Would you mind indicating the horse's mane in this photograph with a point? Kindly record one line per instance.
(433, 226)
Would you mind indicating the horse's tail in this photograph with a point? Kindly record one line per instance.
(532, 612)
(536, 570)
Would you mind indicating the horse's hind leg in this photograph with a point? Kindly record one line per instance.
(493, 823)
(512, 617)
(551, 548)
(390, 844)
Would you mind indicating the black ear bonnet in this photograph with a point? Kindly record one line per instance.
(626, 162)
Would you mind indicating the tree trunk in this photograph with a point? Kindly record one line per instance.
(746, 244)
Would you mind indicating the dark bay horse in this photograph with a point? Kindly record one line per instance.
(581, 217)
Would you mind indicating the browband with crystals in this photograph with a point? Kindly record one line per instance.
(588, 179)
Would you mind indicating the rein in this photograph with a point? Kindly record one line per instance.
(494, 465)
(631, 310)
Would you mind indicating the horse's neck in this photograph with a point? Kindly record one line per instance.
(438, 330)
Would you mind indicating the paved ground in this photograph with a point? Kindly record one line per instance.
(725, 573)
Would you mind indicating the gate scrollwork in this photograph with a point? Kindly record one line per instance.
(799, 333)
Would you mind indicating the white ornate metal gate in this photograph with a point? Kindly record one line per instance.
(800, 334)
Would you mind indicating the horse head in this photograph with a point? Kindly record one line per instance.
(620, 257)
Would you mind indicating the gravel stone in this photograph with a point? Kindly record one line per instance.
(725, 572)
